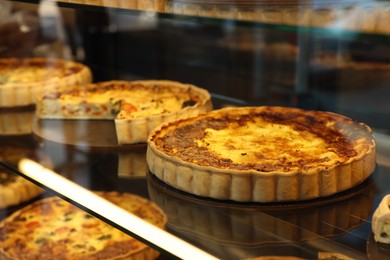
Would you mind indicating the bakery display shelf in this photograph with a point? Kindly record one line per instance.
(230, 229)
(86, 152)
(222, 18)
(257, 228)
(131, 224)
(343, 218)
(216, 61)
(340, 222)
(213, 227)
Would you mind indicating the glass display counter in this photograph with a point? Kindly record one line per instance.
(318, 55)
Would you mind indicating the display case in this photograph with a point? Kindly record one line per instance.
(316, 55)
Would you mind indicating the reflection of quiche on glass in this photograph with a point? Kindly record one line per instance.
(14, 189)
(16, 122)
(262, 154)
(137, 106)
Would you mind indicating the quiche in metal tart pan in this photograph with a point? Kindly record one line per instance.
(23, 80)
(262, 154)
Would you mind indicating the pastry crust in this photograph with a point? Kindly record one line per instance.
(381, 221)
(262, 154)
(15, 190)
(136, 106)
(23, 80)
(52, 228)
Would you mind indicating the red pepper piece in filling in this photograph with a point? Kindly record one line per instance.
(128, 107)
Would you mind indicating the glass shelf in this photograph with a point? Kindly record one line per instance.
(225, 229)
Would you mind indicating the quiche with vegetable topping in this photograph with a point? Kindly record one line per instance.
(262, 154)
(23, 80)
(136, 106)
(52, 228)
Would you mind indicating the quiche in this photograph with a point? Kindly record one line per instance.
(15, 189)
(137, 107)
(22, 80)
(262, 154)
(52, 228)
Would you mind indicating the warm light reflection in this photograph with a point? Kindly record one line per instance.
(110, 211)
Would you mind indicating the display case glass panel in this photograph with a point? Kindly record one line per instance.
(315, 55)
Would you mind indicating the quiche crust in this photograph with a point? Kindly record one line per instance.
(348, 156)
(14, 190)
(23, 80)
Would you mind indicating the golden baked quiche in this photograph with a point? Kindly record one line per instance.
(262, 154)
(23, 80)
(137, 107)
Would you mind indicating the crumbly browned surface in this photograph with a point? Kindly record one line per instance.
(341, 136)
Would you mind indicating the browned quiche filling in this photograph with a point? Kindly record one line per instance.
(262, 154)
(267, 140)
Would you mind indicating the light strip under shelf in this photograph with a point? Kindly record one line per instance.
(124, 219)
